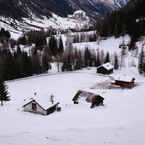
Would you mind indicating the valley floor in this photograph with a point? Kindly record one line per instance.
(120, 121)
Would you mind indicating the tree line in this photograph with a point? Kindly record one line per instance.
(75, 59)
(47, 48)
(19, 64)
(84, 37)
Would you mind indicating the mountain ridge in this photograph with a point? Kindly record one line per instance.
(23, 8)
(13, 13)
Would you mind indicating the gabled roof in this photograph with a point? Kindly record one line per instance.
(107, 66)
(124, 78)
(90, 97)
(43, 101)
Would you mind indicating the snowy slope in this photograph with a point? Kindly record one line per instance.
(28, 15)
(119, 122)
(119, 3)
(78, 20)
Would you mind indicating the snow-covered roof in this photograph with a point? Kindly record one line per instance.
(108, 66)
(124, 78)
(88, 95)
(43, 101)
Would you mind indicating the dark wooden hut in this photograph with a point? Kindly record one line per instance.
(92, 98)
(123, 82)
(106, 68)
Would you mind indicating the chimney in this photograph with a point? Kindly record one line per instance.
(52, 98)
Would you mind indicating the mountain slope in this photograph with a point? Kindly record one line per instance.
(129, 19)
(14, 13)
(24, 8)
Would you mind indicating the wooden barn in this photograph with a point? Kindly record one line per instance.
(92, 98)
(123, 82)
(106, 68)
(41, 105)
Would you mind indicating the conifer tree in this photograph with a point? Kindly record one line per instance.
(22, 40)
(79, 62)
(141, 62)
(87, 57)
(116, 65)
(98, 63)
(102, 56)
(27, 66)
(60, 48)
(107, 58)
(9, 66)
(67, 62)
(3, 92)
(18, 63)
(64, 64)
(45, 64)
(59, 53)
(53, 45)
(35, 61)
(4, 35)
(40, 40)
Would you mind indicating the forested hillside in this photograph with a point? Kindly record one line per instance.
(17, 9)
(128, 20)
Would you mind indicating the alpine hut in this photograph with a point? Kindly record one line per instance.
(106, 68)
(123, 82)
(92, 98)
(44, 105)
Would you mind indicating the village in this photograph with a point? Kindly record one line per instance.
(94, 100)
(83, 106)
(72, 72)
(46, 105)
(89, 101)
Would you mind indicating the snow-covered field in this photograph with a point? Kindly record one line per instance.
(120, 121)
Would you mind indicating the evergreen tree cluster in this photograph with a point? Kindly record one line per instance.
(84, 37)
(77, 59)
(39, 39)
(3, 91)
(15, 63)
(34, 37)
(18, 64)
(128, 20)
(4, 35)
(72, 60)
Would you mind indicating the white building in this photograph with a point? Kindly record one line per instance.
(41, 105)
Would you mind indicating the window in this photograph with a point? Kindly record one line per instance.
(34, 107)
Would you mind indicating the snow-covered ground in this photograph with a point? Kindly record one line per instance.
(110, 45)
(120, 121)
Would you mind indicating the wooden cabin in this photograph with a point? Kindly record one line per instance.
(106, 68)
(123, 82)
(92, 98)
(41, 105)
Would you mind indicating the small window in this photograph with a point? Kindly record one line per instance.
(34, 107)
